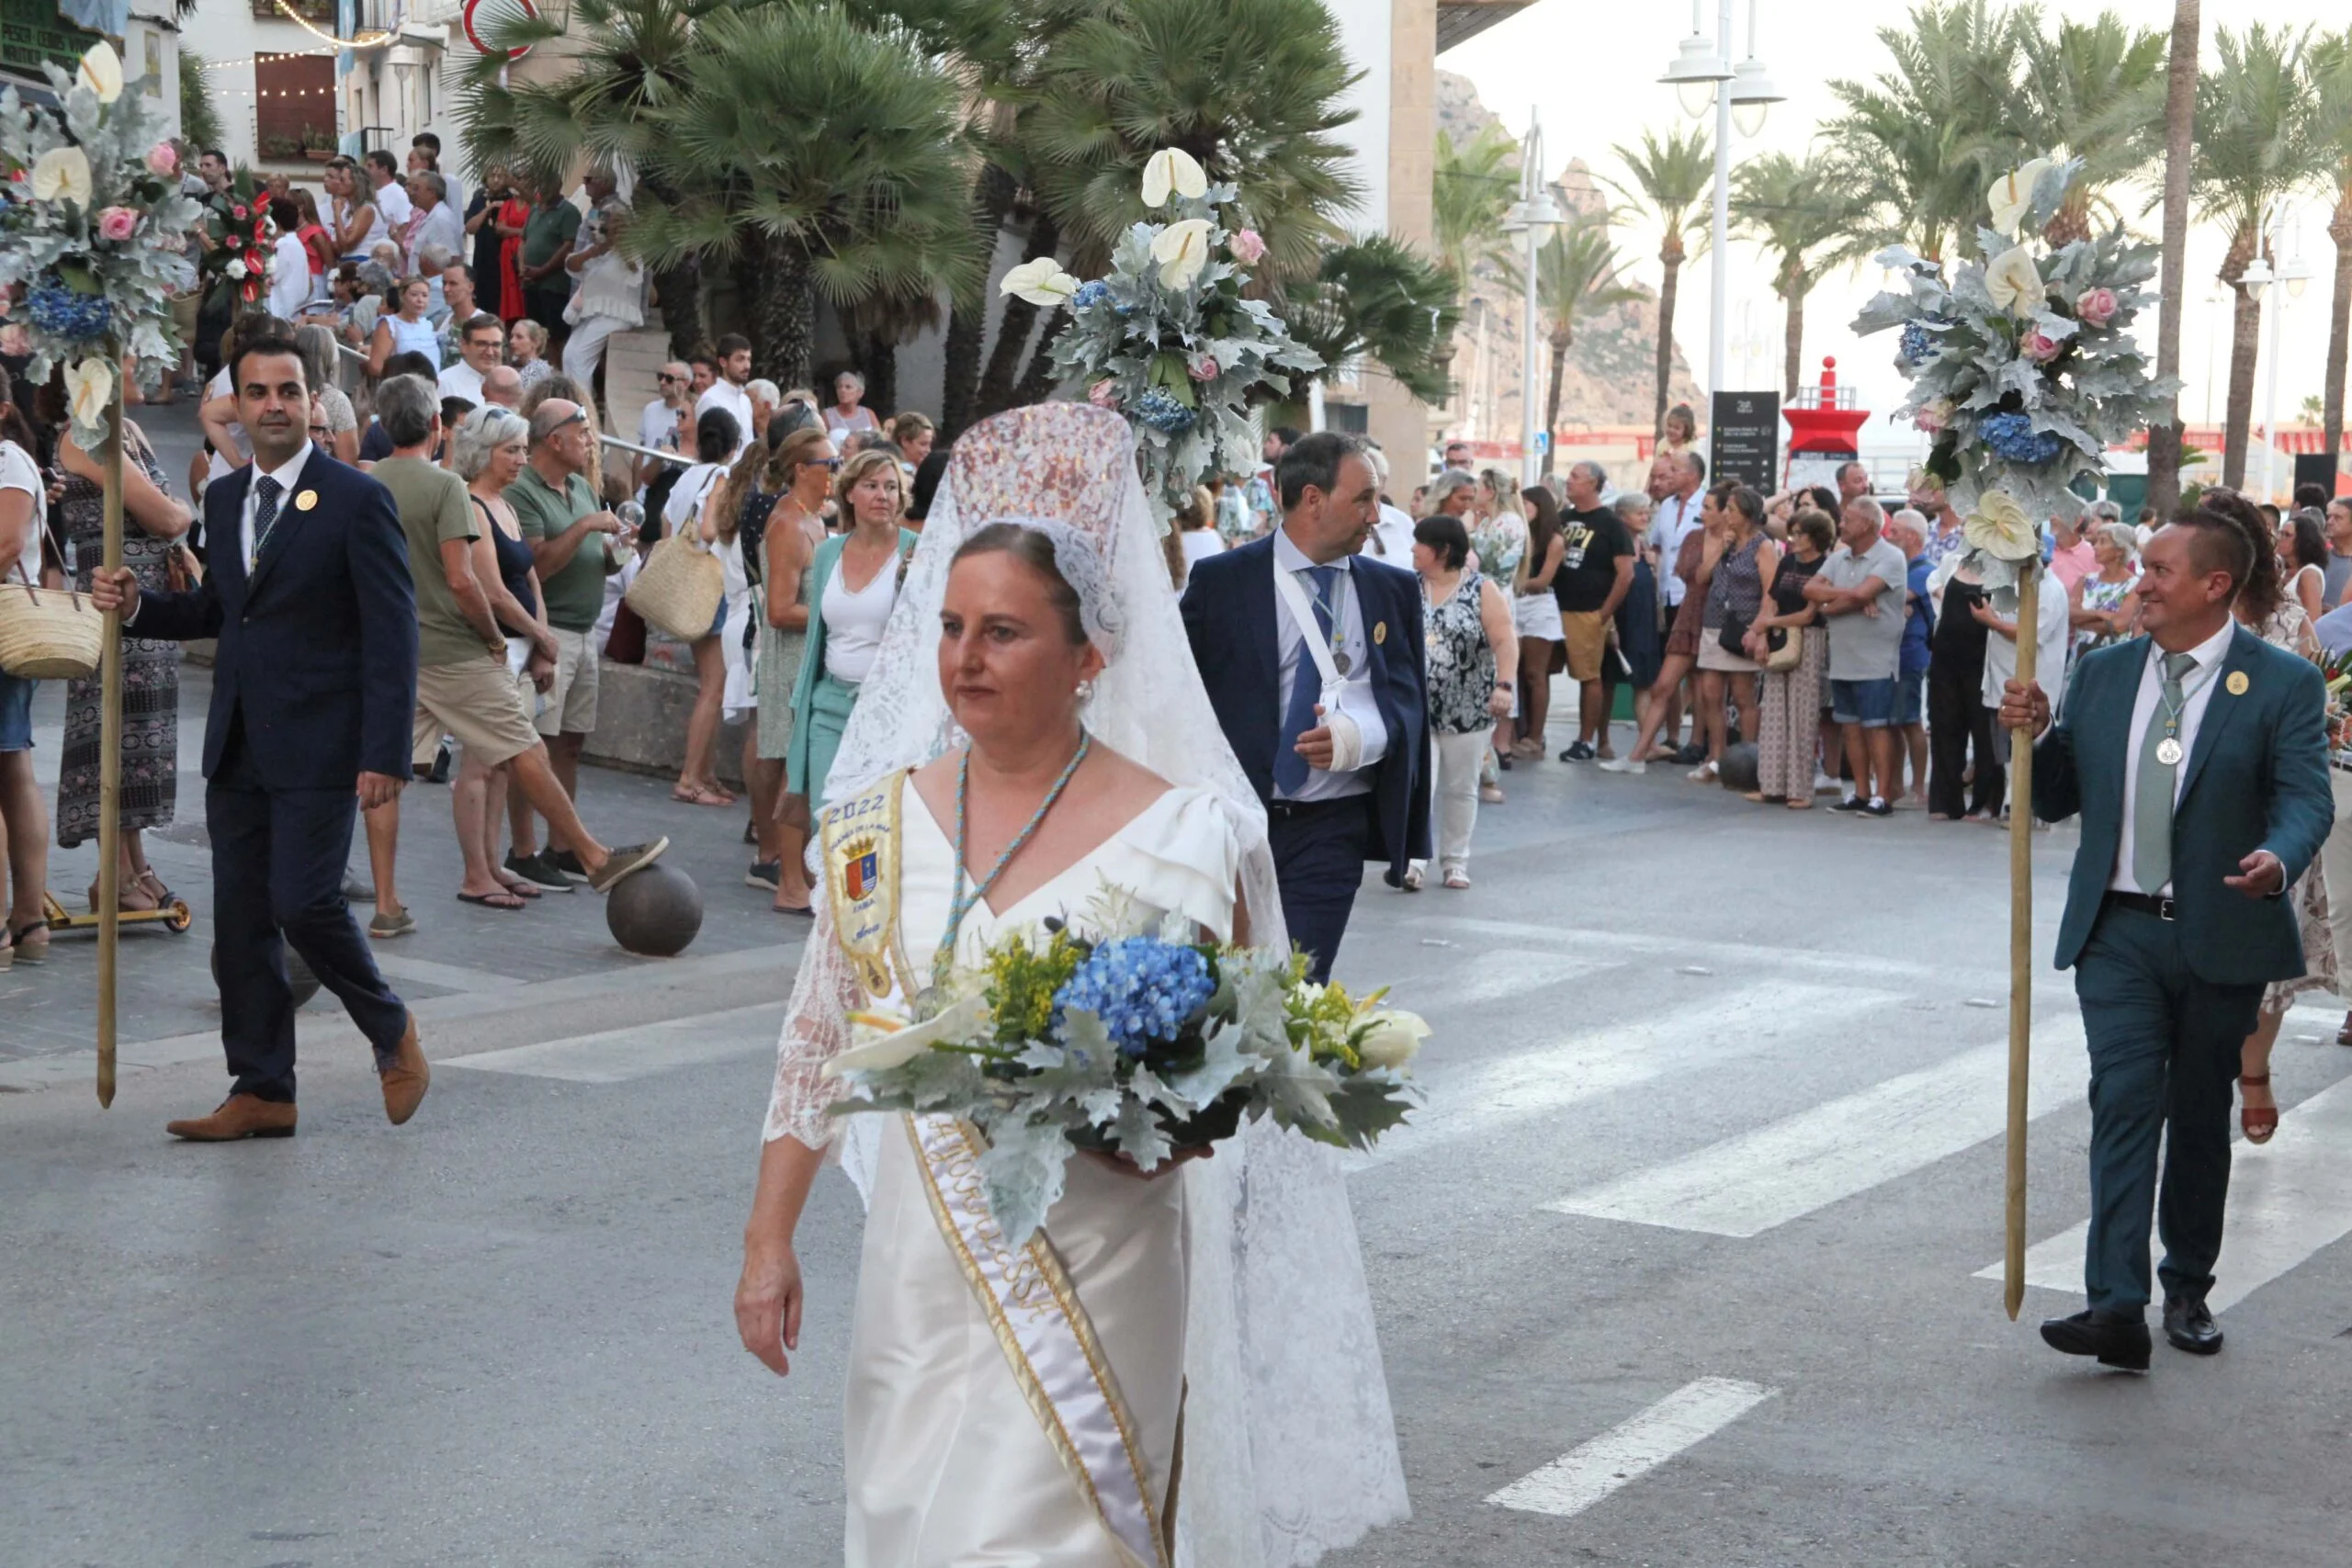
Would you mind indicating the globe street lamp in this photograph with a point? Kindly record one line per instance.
(1695, 74)
(1532, 216)
(2296, 274)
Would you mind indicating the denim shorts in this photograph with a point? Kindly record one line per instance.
(1910, 698)
(1869, 704)
(16, 713)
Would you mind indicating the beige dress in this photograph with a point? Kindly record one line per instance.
(946, 1463)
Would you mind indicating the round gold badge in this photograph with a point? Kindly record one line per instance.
(2237, 683)
(307, 500)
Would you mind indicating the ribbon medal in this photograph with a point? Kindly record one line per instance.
(2169, 752)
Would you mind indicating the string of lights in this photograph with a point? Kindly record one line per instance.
(368, 40)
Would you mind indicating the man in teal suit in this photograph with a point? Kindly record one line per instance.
(2197, 757)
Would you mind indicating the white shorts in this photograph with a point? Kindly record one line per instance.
(1536, 615)
(569, 708)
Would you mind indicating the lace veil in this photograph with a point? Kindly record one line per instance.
(1290, 1447)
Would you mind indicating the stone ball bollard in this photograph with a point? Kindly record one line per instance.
(1737, 770)
(297, 974)
(656, 912)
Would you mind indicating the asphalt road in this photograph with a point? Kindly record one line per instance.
(1680, 1264)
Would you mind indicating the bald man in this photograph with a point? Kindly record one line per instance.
(503, 385)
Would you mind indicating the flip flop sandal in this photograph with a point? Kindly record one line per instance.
(520, 887)
(806, 912)
(492, 900)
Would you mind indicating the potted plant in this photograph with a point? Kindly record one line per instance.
(318, 144)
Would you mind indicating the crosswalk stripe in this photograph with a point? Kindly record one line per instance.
(1481, 1096)
(1749, 1184)
(1578, 1478)
(617, 1055)
(1496, 975)
(2288, 1199)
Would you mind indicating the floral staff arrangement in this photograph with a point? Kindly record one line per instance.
(2022, 365)
(236, 223)
(1143, 1044)
(92, 236)
(1166, 338)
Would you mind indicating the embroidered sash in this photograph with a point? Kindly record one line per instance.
(1047, 1338)
(1025, 1293)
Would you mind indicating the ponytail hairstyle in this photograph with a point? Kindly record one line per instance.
(2259, 590)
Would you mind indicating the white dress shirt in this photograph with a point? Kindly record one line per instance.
(1349, 636)
(726, 394)
(1676, 516)
(288, 477)
(462, 380)
(1391, 538)
(2196, 694)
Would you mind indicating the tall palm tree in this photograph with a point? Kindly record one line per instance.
(1375, 299)
(1576, 280)
(2254, 142)
(1668, 178)
(1926, 137)
(1810, 221)
(858, 197)
(2090, 90)
(2166, 441)
(1471, 186)
(2331, 70)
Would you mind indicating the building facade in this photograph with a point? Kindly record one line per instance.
(144, 32)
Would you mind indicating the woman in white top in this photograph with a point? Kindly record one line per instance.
(845, 417)
(854, 583)
(358, 227)
(715, 436)
(407, 331)
(24, 822)
(1196, 536)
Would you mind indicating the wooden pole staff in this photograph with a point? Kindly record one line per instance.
(110, 757)
(2020, 936)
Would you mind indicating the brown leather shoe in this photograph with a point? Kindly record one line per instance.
(406, 1080)
(239, 1116)
(2343, 1035)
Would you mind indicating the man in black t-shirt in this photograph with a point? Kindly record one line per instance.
(1595, 569)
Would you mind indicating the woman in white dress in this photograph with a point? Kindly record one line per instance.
(1033, 716)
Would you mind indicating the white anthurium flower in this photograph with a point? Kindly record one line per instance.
(1999, 528)
(1182, 250)
(63, 174)
(1042, 283)
(2014, 282)
(89, 388)
(902, 1044)
(1172, 168)
(101, 72)
(2012, 193)
(1395, 1038)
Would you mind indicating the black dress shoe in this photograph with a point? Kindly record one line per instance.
(2189, 1324)
(2116, 1340)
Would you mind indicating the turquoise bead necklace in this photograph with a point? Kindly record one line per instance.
(960, 903)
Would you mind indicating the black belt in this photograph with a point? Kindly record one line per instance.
(2146, 903)
(1290, 810)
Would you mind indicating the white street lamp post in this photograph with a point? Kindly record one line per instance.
(1532, 217)
(1750, 92)
(2294, 272)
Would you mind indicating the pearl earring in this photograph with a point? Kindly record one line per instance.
(1086, 690)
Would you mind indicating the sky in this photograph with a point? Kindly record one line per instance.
(1591, 69)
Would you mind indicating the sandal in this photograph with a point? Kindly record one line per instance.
(130, 897)
(501, 900)
(1412, 882)
(30, 944)
(154, 885)
(2257, 1121)
(804, 910)
(695, 794)
(522, 888)
(1457, 880)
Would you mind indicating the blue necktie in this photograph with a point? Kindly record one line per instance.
(265, 493)
(1306, 691)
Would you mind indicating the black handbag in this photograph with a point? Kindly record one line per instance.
(1733, 638)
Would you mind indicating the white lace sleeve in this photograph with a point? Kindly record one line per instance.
(816, 1029)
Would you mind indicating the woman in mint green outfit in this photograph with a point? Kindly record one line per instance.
(853, 584)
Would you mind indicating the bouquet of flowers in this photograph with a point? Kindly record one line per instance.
(1143, 1044)
(1166, 338)
(2335, 670)
(93, 234)
(2022, 365)
(236, 222)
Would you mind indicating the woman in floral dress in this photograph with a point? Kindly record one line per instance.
(1471, 651)
(151, 670)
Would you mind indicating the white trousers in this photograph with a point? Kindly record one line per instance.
(1455, 762)
(585, 349)
(2335, 864)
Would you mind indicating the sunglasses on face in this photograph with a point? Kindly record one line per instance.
(827, 463)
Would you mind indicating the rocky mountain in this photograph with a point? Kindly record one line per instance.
(1612, 362)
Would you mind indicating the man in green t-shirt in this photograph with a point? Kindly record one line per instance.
(573, 541)
(464, 683)
(549, 235)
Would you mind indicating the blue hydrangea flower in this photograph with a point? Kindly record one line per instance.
(2012, 436)
(1090, 293)
(68, 314)
(1918, 344)
(1164, 413)
(1143, 989)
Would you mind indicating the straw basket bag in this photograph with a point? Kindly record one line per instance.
(48, 634)
(679, 589)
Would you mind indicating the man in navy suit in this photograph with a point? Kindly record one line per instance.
(313, 689)
(1337, 751)
(2197, 757)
